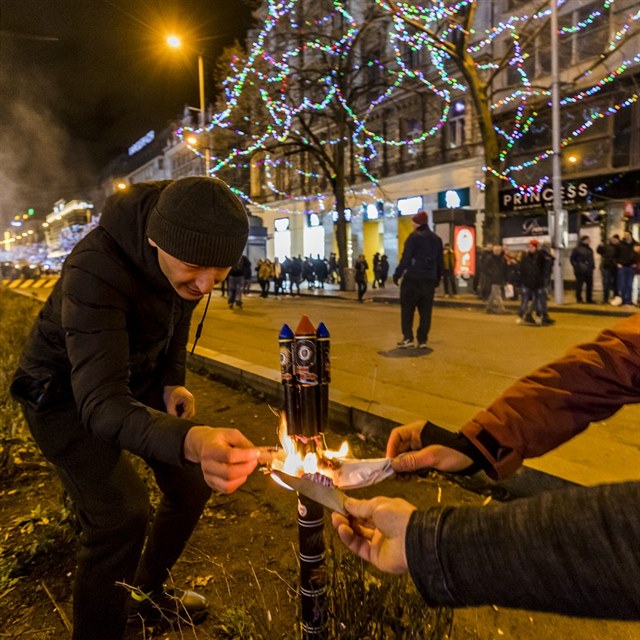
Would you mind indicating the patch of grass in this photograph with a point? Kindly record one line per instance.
(17, 314)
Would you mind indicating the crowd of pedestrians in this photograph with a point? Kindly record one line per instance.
(501, 274)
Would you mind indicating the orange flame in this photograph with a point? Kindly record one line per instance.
(306, 455)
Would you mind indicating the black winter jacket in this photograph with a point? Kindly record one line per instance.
(625, 255)
(532, 270)
(422, 256)
(113, 333)
(495, 269)
(582, 260)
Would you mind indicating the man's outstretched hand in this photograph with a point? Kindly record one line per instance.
(226, 456)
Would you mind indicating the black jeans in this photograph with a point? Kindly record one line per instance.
(416, 294)
(584, 280)
(112, 506)
(362, 288)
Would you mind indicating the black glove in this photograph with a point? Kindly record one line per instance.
(433, 434)
(396, 281)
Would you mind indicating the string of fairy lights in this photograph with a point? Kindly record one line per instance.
(309, 63)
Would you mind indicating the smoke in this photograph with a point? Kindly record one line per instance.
(39, 161)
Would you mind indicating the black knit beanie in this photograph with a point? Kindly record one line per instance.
(200, 221)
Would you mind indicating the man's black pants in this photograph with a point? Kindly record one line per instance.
(416, 294)
(112, 506)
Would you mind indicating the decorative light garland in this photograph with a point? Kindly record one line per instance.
(275, 74)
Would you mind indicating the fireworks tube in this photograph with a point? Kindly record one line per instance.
(291, 390)
(312, 573)
(324, 375)
(305, 350)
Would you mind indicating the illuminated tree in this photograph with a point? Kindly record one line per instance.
(307, 105)
(319, 76)
(497, 65)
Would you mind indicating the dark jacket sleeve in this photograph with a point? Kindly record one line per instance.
(558, 401)
(573, 552)
(94, 316)
(407, 257)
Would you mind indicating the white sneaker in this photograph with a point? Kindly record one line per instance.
(405, 344)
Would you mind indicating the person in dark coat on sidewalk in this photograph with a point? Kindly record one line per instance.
(361, 266)
(103, 373)
(448, 275)
(626, 258)
(420, 269)
(495, 270)
(583, 265)
(534, 295)
(609, 267)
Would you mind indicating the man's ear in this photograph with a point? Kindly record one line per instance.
(151, 242)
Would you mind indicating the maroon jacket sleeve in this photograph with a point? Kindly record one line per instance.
(556, 402)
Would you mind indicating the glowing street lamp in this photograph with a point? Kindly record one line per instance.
(175, 43)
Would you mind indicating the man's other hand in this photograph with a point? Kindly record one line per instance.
(179, 401)
(225, 455)
(407, 454)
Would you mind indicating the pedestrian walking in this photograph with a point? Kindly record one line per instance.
(376, 269)
(534, 298)
(236, 282)
(420, 270)
(383, 268)
(321, 268)
(277, 277)
(583, 264)
(264, 269)
(333, 269)
(308, 273)
(361, 267)
(103, 373)
(286, 275)
(495, 270)
(248, 274)
(296, 274)
(609, 267)
(448, 275)
(625, 259)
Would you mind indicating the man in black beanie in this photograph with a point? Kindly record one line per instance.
(103, 372)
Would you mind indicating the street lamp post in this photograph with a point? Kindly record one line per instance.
(175, 42)
(558, 213)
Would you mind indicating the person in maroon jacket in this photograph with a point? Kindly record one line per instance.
(573, 551)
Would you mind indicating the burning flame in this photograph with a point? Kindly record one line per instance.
(305, 455)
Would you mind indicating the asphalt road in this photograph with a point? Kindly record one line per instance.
(472, 357)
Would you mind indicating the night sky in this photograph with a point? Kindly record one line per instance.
(82, 80)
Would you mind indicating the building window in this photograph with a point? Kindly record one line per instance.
(589, 41)
(455, 127)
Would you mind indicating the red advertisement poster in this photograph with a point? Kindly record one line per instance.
(464, 246)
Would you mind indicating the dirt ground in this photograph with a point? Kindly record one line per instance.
(242, 555)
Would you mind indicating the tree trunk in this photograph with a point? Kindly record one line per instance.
(340, 202)
(479, 94)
